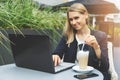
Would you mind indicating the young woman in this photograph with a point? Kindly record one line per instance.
(77, 32)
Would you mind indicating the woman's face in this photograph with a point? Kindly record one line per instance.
(77, 20)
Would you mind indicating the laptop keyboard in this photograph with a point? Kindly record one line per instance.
(63, 66)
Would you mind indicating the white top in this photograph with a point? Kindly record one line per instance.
(79, 42)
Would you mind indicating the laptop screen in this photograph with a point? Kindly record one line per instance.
(32, 51)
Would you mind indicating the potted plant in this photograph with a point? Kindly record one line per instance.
(20, 16)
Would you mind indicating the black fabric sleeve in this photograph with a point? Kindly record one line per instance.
(104, 62)
(61, 47)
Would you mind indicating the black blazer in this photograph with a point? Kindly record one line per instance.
(70, 52)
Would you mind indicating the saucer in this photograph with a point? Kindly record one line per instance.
(87, 70)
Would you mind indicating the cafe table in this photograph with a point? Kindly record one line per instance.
(12, 72)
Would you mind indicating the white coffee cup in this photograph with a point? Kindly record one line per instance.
(82, 58)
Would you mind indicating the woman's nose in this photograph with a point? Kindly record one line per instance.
(73, 22)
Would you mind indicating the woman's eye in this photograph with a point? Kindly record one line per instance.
(76, 18)
(70, 19)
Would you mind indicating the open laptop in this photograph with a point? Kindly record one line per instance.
(34, 52)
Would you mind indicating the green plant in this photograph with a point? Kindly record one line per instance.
(23, 14)
(20, 14)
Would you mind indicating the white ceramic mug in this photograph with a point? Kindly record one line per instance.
(82, 58)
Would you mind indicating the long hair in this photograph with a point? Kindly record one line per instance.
(69, 31)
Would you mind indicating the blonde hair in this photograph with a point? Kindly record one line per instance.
(68, 31)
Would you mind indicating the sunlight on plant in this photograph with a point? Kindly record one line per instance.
(3, 38)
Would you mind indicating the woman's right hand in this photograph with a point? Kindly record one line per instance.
(56, 60)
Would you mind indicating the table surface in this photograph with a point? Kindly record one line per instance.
(12, 72)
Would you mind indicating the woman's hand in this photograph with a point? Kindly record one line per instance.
(56, 60)
(91, 40)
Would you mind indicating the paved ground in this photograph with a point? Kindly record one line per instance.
(117, 60)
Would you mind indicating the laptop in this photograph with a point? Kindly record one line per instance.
(34, 52)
